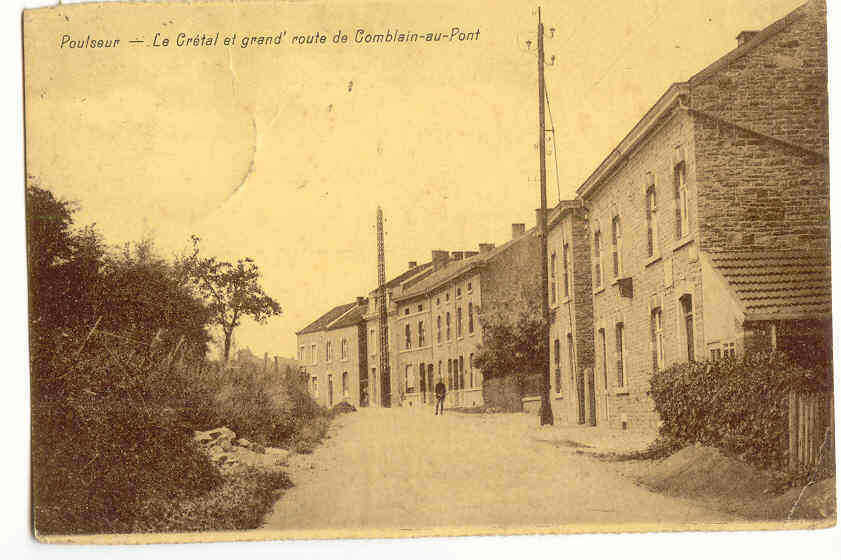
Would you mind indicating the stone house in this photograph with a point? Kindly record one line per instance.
(377, 384)
(332, 351)
(708, 224)
(437, 328)
(571, 344)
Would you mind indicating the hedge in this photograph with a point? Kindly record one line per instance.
(737, 405)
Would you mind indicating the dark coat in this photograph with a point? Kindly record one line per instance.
(440, 389)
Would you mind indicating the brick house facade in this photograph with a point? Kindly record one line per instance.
(575, 393)
(333, 353)
(708, 225)
(437, 327)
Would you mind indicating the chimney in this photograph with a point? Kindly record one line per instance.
(517, 230)
(485, 248)
(457, 255)
(360, 300)
(468, 254)
(440, 259)
(745, 37)
(412, 264)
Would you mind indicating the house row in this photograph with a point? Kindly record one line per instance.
(433, 330)
(704, 234)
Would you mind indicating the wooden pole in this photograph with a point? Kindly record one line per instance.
(546, 416)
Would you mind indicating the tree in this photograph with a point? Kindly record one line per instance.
(515, 342)
(232, 291)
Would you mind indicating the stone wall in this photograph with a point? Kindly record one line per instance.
(761, 136)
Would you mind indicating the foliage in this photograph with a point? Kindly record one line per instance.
(515, 340)
(119, 383)
(739, 406)
(232, 291)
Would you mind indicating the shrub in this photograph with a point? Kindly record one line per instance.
(739, 406)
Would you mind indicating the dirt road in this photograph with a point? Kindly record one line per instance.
(406, 471)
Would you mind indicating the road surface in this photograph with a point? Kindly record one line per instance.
(406, 471)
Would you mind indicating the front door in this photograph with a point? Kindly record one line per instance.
(582, 412)
(591, 392)
(330, 391)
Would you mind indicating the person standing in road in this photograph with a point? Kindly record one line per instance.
(440, 393)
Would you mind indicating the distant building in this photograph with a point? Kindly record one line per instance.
(436, 327)
(332, 351)
(708, 226)
(376, 383)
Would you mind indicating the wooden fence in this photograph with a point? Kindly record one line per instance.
(811, 436)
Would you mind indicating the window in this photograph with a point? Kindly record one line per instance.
(345, 388)
(470, 317)
(448, 325)
(657, 358)
(409, 382)
(469, 287)
(406, 311)
(620, 354)
(344, 349)
(688, 327)
(461, 372)
(408, 335)
(449, 374)
(447, 296)
(329, 350)
(566, 269)
(616, 245)
(553, 281)
(458, 292)
(372, 341)
(557, 354)
(422, 377)
(438, 301)
(314, 353)
(715, 354)
(420, 307)
(681, 203)
(597, 259)
(421, 334)
(439, 329)
(458, 322)
(729, 350)
(315, 385)
(651, 217)
(301, 352)
(470, 367)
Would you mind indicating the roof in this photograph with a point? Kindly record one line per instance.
(397, 280)
(353, 317)
(324, 321)
(778, 284)
(454, 269)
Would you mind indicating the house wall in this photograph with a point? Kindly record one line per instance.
(572, 314)
(658, 282)
(768, 188)
(436, 353)
(321, 368)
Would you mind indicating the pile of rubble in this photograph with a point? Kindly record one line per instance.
(230, 453)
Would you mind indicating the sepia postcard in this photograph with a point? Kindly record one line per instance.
(381, 269)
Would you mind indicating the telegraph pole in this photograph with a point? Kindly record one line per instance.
(382, 315)
(546, 416)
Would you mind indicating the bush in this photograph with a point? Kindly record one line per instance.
(739, 406)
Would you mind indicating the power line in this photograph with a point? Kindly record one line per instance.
(554, 144)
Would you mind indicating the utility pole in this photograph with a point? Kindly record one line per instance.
(382, 314)
(546, 416)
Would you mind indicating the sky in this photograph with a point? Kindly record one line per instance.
(283, 154)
